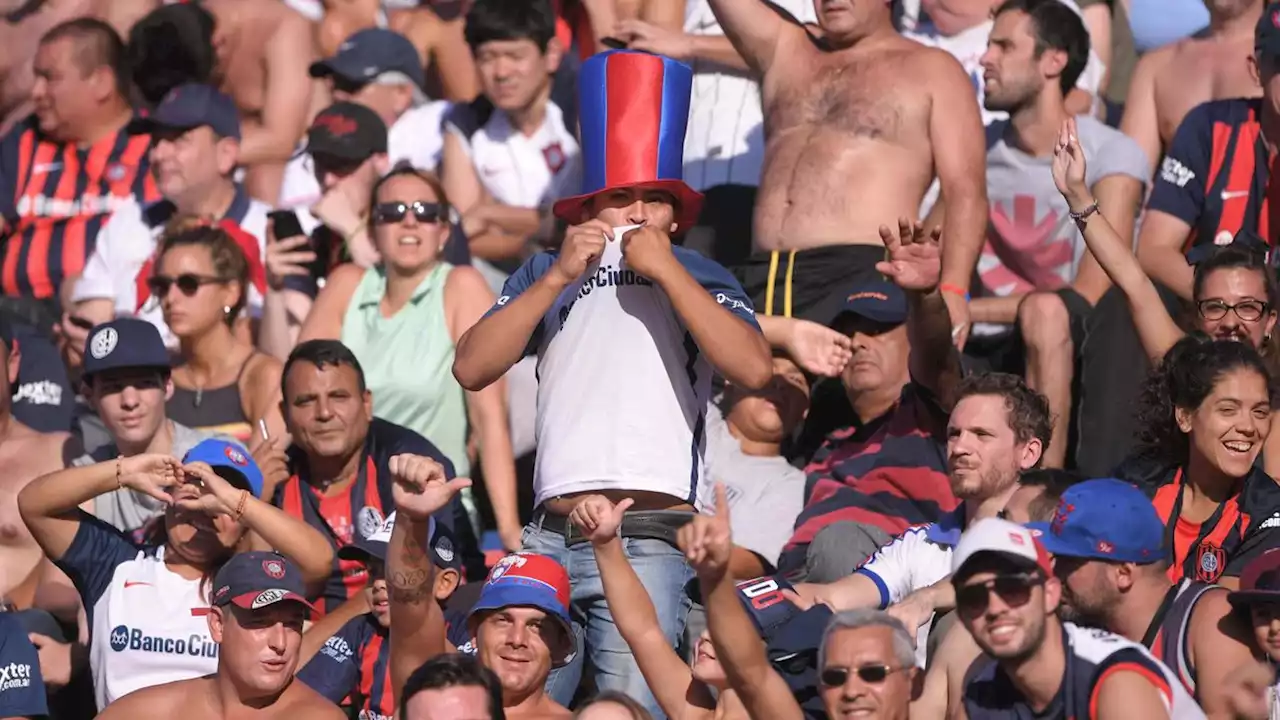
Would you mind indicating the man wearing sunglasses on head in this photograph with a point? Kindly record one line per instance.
(195, 149)
(1037, 665)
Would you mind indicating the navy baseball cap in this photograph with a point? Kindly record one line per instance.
(443, 546)
(347, 132)
(529, 580)
(370, 53)
(1245, 241)
(190, 106)
(124, 343)
(791, 636)
(257, 579)
(230, 461)
(1266, 34)
(882, 302)
(1104, 519)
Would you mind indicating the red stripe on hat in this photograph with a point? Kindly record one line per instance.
(634, 102)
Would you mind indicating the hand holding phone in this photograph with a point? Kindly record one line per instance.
(290, 254)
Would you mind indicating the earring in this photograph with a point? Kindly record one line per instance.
(226, 310)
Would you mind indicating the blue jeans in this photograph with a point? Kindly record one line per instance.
(663, 572)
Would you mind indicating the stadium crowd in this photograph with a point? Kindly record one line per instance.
(689, 359)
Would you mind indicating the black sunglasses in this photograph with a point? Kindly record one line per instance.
(836, 676)
(188, 283)
(1014, 591)
(425, 212)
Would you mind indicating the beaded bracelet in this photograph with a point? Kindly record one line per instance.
(944, 287)
(244, 500)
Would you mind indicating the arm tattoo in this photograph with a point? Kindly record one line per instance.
(411, 586)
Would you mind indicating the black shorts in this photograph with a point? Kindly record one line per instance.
(1007, 353)
(808, 284)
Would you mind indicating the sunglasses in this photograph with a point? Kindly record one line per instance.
(425, 212)
(871, 674)
(188, 283)
(1014, 591)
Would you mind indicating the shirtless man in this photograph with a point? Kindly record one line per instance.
(451, 72)
(264, 50)
(857, 124)
(257, 615)
(25, 455)
(24, 22)
(1168, 82)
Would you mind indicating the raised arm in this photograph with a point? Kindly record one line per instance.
(288, 96)
(417, 622)
(632, 611)
(50, 504)
(498, 341)
(1156, 329)
(755, 29)
(915, 264)
(1141, 122)
(707, 544)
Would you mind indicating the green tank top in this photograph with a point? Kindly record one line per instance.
(408, 361)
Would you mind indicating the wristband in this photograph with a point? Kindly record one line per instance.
(954, 290)
(244, 500)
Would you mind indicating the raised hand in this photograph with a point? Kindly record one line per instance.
(151, 474)
(206, 491)
(915, 259)
(647, 37)
(707, 542)
(1069, 166)
(598, 518)
(286, 258)
(647, 250)
(419, 487)
(817, 348)
(583, 244)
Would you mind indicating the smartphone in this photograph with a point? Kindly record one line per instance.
(613, 42)
(285, 223)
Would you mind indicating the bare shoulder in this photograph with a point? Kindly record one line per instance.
(264, 369)
(937, 67)
(164, 700)
(303, 702)
(345, 275)
(291, 25)
(47, 449)
(464, 279)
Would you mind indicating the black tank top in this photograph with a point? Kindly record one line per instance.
(217, 410)
(1166, 637)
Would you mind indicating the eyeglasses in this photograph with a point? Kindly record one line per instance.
(836, 676)
(425, 212)
(1248, 310)
(1014, 591)
(188, 283)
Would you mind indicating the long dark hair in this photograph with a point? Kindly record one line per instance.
(1185, 377)
(1234, 258)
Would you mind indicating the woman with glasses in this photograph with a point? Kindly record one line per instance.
(1234, 290)
(1203, 417)
(402, 318)
(222, 383)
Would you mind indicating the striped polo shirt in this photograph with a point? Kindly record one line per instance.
(890, 474)
(55, 198)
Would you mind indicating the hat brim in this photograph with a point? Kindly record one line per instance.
(886, 318)
(499, 597)
(573, 210)
(1021, 561)
(252, 601)
(1244, 598)
(360, 553)
(325, 68)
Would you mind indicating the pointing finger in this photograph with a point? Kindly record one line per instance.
(722, 502)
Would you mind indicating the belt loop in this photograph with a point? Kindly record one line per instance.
(539, 514)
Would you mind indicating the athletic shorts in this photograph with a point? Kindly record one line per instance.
(808, 284)
(1007, 352)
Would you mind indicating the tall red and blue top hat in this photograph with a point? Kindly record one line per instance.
(633, 108)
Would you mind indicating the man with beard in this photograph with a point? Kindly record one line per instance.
(998, 429)
(520, 622)
(857, 125)
(1036, 665)
(259, 606)
(354, 660)
(1107, 542)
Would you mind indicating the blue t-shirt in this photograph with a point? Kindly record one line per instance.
(21, 687)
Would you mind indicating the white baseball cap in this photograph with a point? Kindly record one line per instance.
(1002, 537)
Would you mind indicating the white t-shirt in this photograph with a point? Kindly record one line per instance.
(724, 142)
(622, 385)
(913, 561)
(127, 243)
(148, 624)
(414, 137)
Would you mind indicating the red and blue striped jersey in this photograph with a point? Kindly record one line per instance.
(56, 196)
(355, 663)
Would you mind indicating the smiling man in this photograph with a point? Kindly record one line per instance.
(257, 615)
(1037, 665)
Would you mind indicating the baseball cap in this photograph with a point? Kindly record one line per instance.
(230, 461)
(257, 579)
(1260, 581)
(443, 545)
(370, 53)
(529, 580)
(1266, 34)
(792, 636)
(1105, 519)
(189, 106)
(1245, 241)
(999, 537)
(347, 131)
(882, 302)
(124, 343)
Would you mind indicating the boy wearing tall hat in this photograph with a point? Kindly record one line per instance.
(629, 328)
